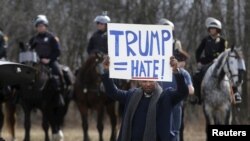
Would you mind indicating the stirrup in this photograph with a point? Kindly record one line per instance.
(237, 97)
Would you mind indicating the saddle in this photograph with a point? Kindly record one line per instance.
(62, 83)
(67, 76)
(62, 79)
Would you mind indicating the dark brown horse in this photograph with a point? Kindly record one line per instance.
(42, 94)
(7, 98)
(89, 94)
(11, 75)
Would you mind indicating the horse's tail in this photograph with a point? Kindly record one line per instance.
(10, 117)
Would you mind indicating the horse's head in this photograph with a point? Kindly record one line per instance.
(92, 69)
(27, 55)
(233, 65)
(95, 60)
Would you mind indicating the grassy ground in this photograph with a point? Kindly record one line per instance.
(75, 134)
(194, 127)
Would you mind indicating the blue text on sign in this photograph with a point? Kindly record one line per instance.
(151, 37)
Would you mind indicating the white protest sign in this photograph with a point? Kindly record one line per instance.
(140, 52)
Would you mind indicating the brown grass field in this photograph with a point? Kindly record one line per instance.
(194, 126)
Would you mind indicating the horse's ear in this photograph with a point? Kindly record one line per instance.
(238, 49)
(29, 46)
(21, 46)
(99, 55)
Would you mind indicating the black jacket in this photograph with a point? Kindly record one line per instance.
(98, 43)
(46, 46)
(209, 49)
(167, 101)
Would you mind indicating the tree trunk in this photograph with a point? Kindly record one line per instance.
(230, 34)
(246, 86)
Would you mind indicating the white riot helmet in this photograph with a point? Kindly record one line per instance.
(213, 23)
(104, 19)
(41, 19)
(164, 21)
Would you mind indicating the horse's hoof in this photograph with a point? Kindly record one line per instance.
(112, 139)
(87, 139)
(13, 139)
(58, 137)
(26, 139)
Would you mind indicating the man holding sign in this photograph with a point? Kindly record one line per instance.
(148, 108)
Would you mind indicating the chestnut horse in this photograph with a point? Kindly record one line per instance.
(89, 94)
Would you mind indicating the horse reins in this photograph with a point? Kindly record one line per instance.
(228, 66)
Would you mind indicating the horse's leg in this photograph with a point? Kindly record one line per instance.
(27, 123)
(45, 125)
(219, 117)
(55, 121)
(100, 116)
(208, 117)
(113, 120)
(84, 115)
(10, 109)
(228, 116)
(1, 119)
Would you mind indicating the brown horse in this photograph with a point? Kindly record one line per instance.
(89, 94)
(7, 97)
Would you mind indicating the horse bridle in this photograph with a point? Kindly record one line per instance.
(231, 75)
(96, 66)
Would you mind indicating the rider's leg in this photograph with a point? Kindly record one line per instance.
(59, 83)
(57, 72)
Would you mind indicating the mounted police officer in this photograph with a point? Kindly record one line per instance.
(3, 46)
(47, 48)
(178, 52)
(212, 45)
(98, 42)
(209, 49)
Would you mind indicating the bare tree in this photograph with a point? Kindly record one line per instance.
(246, 51)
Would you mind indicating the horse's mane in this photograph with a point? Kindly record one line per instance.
(87, 70)
(218, 65)
(221, 60)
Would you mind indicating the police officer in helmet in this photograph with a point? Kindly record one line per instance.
(212, 45)
(47, 47)
(98, 41)
(210, 48)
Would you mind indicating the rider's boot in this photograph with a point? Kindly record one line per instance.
(59, 93)
(237, 96)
